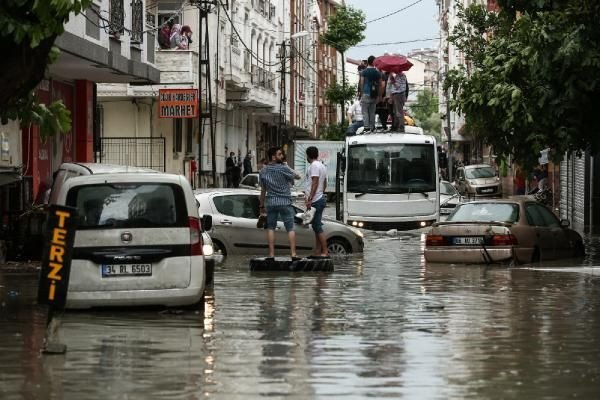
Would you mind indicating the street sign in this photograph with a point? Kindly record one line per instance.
(178, 103)
(56, 262)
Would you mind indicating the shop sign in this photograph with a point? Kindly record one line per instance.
(178, 103)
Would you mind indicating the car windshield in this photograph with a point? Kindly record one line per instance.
(486, 212)
(391, 168)
(447, 189)
(480, 172)
(128, 205)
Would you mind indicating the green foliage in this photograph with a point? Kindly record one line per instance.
(345, 28)
(533, 80)
(28, 26)
(339, 93)
(333, 131)
(425, 111)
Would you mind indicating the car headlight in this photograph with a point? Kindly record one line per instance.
(357, 232)
(208, 250)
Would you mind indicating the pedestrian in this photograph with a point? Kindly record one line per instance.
(229, 164)
(397, 90)
(248, 164)
(355, 117)
(370, 82)
(519, 182)
(276, 198)
(236, 173)
(383, 107)
(316, 182)
(164, 35)
(180, 37)
(261, 164)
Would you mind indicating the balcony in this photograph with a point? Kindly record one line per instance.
(177, 66)
(263, 78)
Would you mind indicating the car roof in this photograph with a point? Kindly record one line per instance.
(478, 166)
(225, 191)
(509, 200)
(97, 168)
(390, 138)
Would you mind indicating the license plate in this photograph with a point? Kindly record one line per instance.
(490, 190)
(110, 270)
(469, 240)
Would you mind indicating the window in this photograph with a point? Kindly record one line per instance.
(480, 172)
(128, 205)
(177, 135)
(189, 135)
(540, 216)
(238, 206)
(486, 212)
(250, 180)
(549, 218)
(447, 189)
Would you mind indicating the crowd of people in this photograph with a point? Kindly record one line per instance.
(174, 36)
(379, 93)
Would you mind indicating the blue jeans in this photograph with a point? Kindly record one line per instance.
(317, 222)
(353, 127)
(285, 212)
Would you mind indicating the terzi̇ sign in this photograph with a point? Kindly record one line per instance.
(56, 262)
(178, 103)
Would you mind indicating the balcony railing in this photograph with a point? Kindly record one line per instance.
(263, 78)
(137, 21)
(117, 18)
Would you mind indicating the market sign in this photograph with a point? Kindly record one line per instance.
(178, 103)
(56, 262)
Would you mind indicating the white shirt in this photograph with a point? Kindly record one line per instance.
(356, 111)
(316, 168)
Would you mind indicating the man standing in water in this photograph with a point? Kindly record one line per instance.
(316, 182)
(276, 198)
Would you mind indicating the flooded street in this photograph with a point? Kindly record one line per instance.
(383, 325)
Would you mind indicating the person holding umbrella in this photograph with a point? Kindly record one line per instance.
(397, 90)
(370, 94)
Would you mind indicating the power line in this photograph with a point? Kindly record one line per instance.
(392, 43)
(394, 12)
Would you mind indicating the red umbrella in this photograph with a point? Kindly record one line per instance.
(392, 63)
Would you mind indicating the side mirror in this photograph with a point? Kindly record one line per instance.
(207, 223)
(256, 185)
(565, 223)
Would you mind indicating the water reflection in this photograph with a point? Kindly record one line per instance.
(384, 324)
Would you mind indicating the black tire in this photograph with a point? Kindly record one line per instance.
(338, 246)
(535, 257)
(218, 246)
(579, 249)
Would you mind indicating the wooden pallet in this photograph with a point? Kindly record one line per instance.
(286, 264)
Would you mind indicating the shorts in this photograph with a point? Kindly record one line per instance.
(285, 212)
(317, 222)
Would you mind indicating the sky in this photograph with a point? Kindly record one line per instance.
(416, 22)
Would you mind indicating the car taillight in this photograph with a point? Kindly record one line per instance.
(504, 240)
(195, 236)
(434, 240)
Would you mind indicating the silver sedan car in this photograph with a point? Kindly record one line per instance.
(235, 215)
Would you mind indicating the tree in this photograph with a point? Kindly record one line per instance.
(333, 131)
(533, 77)
(29, 29)
(425, 111)
(345, 29)
(340, 94)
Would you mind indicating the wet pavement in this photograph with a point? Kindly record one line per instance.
(383, 325)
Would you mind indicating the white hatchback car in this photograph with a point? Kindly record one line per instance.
(138, 240)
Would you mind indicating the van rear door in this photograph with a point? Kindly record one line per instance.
(130, 236)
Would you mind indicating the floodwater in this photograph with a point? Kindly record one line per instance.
(383, 325)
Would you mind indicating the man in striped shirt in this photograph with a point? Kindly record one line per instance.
(276, 178)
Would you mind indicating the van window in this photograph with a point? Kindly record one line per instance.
(128, 205)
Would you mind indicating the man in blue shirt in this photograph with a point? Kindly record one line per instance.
(371, 92)
(276, 179)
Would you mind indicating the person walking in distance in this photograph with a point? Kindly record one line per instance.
(370, 84)
(276, 198)
(316, 182)
(229, 165)
(248, 164)
(397, 90)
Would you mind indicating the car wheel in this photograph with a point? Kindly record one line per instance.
(219, 247)
(338, 247)
(579, 249)
(535, 257)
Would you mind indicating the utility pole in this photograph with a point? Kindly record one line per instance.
(448, 121)
(204, 8)
(282, 94)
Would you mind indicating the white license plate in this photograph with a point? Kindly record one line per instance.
(490, 190)
(468, 240)
(110, 270)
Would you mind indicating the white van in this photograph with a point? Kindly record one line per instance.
(138, 240)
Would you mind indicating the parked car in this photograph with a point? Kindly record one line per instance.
(252, 181)
(478, 181)
(138, 240)
(449, 198)
(235, 215)
(488, 231)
